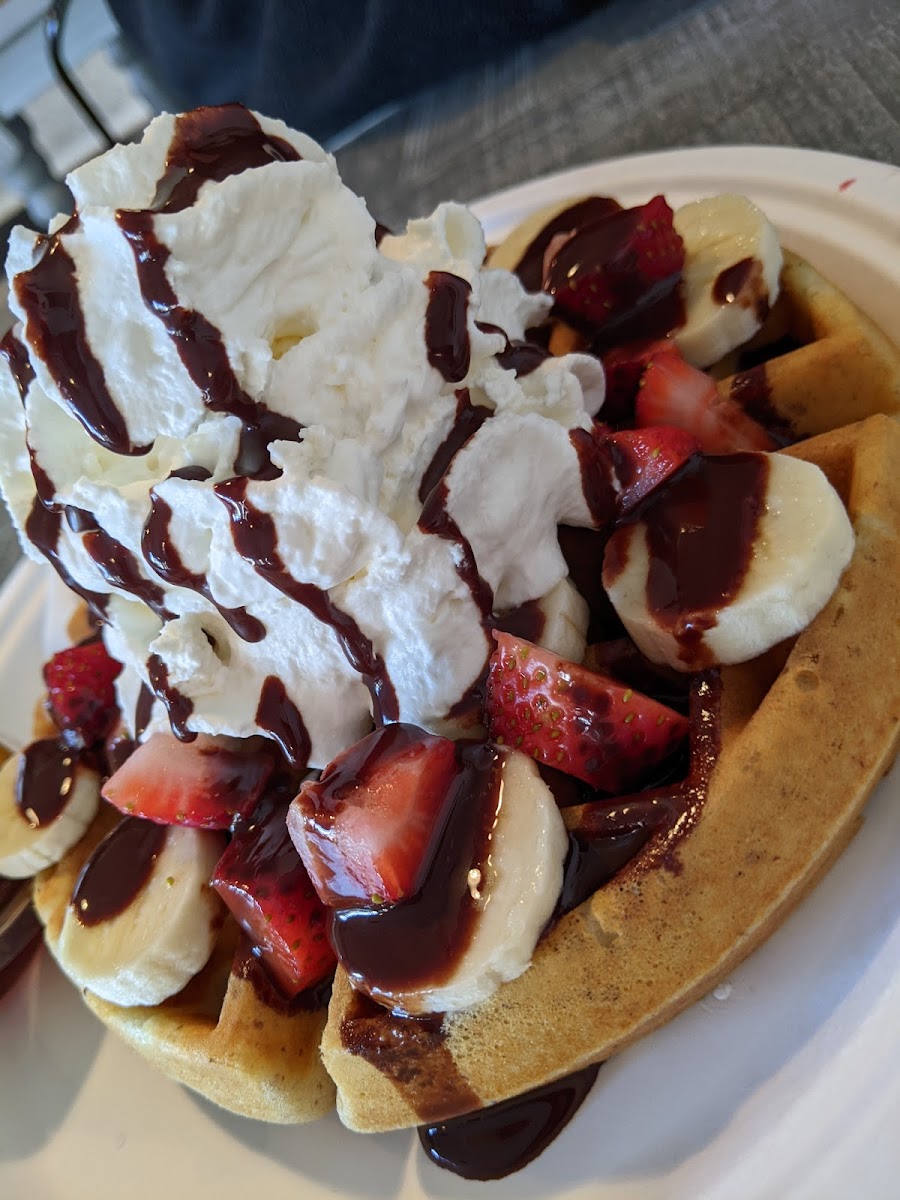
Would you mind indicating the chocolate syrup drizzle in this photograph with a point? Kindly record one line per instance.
(55, 329)
(446, 330)
(469, 419)
(113, 876)
(178, 706)
(45, 780)
(162, 555)
(42, 527)
(530, 267)
(277, 714)
(518, 356)
(18, 362)
(119, 567)
(256, 540)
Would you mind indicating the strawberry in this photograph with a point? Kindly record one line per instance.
(364, 830)
(575, 720)
(82, 698)
(203, 783)
(616, 265)
(264, 884)
(674, 393)
(644, 458)
(624, 367)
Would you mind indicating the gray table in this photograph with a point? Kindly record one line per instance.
(638, 75)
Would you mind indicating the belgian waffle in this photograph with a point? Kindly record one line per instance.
(803, 733)
(653, 940)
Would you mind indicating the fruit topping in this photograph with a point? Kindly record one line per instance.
(672, 392)
(264, 884)
(575, 720)
(365, 828)
(202, 783)
(645, 458)
(623, 367)
(616, 266)
(82, 698)
(143, 919)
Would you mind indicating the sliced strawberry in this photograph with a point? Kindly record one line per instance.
(616, 265)
(572, 719)
(624, 368)
(203, 783)
(674, 393)
(644, 458)
(82, 698)
(265, 885)
(365, 828)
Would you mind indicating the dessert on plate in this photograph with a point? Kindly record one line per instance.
(472, 629)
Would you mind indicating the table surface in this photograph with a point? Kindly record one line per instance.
(636, 76)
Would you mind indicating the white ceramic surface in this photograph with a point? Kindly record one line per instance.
(784, 1083)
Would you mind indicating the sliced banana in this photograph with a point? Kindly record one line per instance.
(518, 893)
(803, 542)
(731, 271)
(566, 617)
(151, 949)
(26, 845)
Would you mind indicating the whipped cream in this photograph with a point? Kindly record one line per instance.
(230, 445)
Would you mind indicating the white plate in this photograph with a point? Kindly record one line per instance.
(786, 1083)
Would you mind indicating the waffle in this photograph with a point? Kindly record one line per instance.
(216, 1036)
(805, 738)
(653, 940)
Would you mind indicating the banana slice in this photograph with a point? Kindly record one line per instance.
(518, 890)
(732, 266)
(566, 616)
(802, 543)
(28, 843)
(163, 935)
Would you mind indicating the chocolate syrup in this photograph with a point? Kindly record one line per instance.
(593, 862)
(143, 710)
(256, 540)
(522, 357)
(410, 1051)
(446, 329)
(45, 780)
(700, 534)
(530, 267)
(667, 813)
(162, 555)
(213, 144)
(119, 567)
(469, 419)
(754, 356)
(178, 706)
(493, 1142)
(743, 283)
(583, 550)
(18, 362)
(435, 519)
(527, 621)
(42, 527)
(752, 392)
(117, 870)
(418, 943)
(596, 465)
(55, 327)
(277, 714)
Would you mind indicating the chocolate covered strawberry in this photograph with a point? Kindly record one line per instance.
(573, 719)
(645, 458)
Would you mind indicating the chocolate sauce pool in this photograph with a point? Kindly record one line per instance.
(492, 1143)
